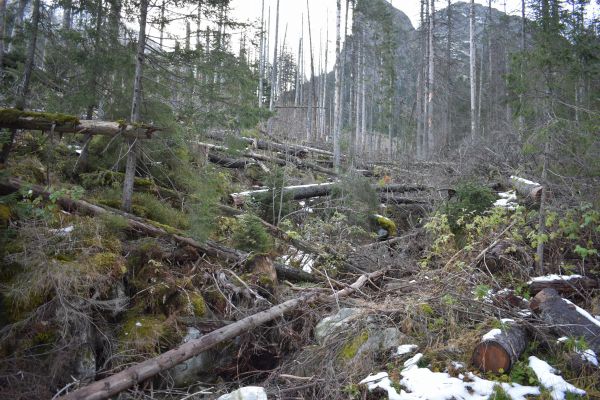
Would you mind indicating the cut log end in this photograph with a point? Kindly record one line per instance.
(490, 356)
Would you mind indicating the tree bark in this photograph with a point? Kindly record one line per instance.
(338, 89)
(17, 27)
(261, 62)
(430, 94)
(23, 89)
(2, 28)
(137, 373)
(500, 349)
(566, 319)
(136, 108)
(472, 67)
(274, 67)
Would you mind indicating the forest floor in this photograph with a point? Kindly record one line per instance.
(88, 291)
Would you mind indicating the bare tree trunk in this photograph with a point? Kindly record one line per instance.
(542, 214)
(23, 89)
(2, 28)
(521, 103)
(430, 95)
(472, 64)
(363, 105)
(67, 21)
(491, 87)
(338, 89)
(261, 62)
(17, 27)
(136, 106)
(324, 95)
(449, 91)
(312, 88)
(274, 67)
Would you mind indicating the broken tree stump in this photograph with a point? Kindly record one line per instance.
(566, 319)
(500, 349)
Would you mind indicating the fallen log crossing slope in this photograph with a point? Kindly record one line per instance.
(138, 373)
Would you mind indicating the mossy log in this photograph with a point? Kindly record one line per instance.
(60, 123)
(228, 162)
(566, 319)
(150, 228)
(138, 373)
(500, 349)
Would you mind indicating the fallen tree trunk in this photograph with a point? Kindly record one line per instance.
(59, 123)
(500, 349)
(135, 374)
(293, 149)
(227, 162)
(210, 248)
(566, 319)
(531, 191)
(565, 285)
(387, 193)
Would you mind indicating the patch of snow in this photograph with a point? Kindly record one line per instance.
(586, 314)
(458, 365)
(63, 231)
(526, 181)
(138, 323)
(306, 261)
(246, 393)
(562, 339)
(553, 277)
(524, 313)
(507, 200)
(507, 320)
(491, 335)
(589, 356)
(423, 384)
(413, 360)
(406, 349)
(546, 374)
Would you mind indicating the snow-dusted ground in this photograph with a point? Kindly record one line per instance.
(507, 200)
(424, 384)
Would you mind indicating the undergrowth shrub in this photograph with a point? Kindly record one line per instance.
(250, 235)
(471, 199)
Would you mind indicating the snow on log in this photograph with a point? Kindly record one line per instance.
(527, 189)
(38, 121)
(564, 284)
(566, 319)
(500, 349)
(138, 373)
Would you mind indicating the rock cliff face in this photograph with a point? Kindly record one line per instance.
(392, 51)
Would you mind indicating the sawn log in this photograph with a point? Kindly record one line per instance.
(566, 319)
(531, 191)
(135, 374)
(500, 349)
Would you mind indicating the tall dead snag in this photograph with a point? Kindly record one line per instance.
(337, 119)
(135, 374)
(500, 349)
(472, 69)
(136, 110)
(566, 319)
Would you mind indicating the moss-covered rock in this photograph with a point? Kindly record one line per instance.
(351, 347)
(146, 334)
(198, 305)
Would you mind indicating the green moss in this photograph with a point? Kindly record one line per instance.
(351, 348)
(108, 262)
(198, 304)
(12, 115)
(386, 224)
(30, 169)
(5, 214)
(146, 333)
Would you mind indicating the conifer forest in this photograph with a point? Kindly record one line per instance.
(299, 199)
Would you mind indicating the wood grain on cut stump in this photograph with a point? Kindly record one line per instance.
(499, 349)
